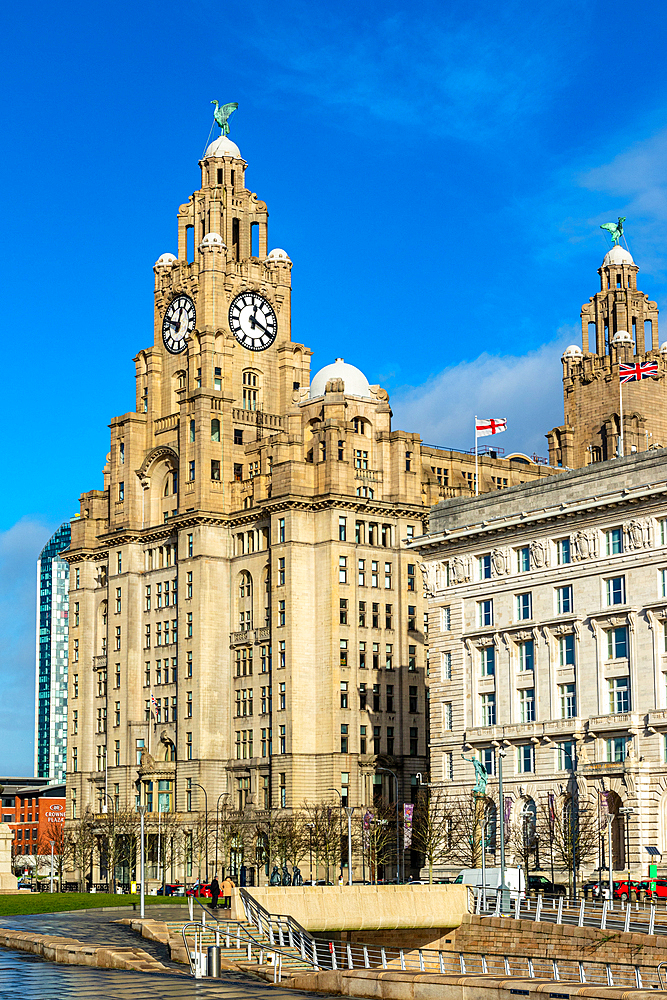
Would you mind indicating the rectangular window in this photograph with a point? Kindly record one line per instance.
(568, 701)
(342, 611)
(563, 551)
(362, 573)
(526, 652)
(342, 569)
(342, 529)
(190, 545)
(283, 739)
(188, 746)
(375, 573)
(412, 618)
(389, 656)
(390, 697)
(523, 559)
(566, 651)
(75, 759)
(484, 563)
(446, 618)
(281, 697)
(615, 590)
(485, 613)
(188, 705)
(343, 653)
(617, 749)
(387, 576)
(117, 638)
(388, 617)
(188, 625)
(446, 666)
(375, 615)
(281, 529)
(215, 469)
(362, 739)
(411, 576)
(527, 705)
(412, 699)
(564, 604)
(619, 695)
(412, 658)
(362, 614)
(118, 600)
(566, 756)
(488, 709)
(614, 541)
(525, 756)
(524, 606)
(191, 471)
(447, 715)
(75, 651)
(488, 661)
(343, 694)
(617, 643)
(487, 756)
(414, 741)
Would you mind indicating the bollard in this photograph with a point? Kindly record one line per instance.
(213, 962)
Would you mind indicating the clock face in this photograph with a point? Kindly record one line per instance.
(253, 321)
(178, 323)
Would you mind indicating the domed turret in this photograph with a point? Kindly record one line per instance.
(223, 146)
(621, 337)
(212, 241)
(166, 260)
(573, 351)
(355, 382)
(617, 255)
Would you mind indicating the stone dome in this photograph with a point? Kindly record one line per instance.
(223, 146)
(212, 241)
(573, 351)
(356, 383)
(165, 260)
(663, 349)
(621, 337)
(617, 255)
(278, 256)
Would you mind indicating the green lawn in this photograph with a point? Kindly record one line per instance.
(45, 902)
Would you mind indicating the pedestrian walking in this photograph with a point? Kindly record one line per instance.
(227, 890)
(215, 892)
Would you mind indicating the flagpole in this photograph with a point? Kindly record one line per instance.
(476, 462)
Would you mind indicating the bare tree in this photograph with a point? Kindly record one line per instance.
(571, 827)
(434, 830)
(467, 812)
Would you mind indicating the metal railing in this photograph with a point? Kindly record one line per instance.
(642, 917)
(278, 927)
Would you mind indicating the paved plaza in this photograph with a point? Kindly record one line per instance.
(31, 978)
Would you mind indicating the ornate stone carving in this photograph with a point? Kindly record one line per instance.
(539, 554)
(499, 562)
(459, 570)
(561, 630)
(637, 534)
(429, 571)
(585, 544)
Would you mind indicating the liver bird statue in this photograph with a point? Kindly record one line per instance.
(615, 228)
(222, 113)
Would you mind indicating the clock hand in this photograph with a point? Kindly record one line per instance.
(255, 322)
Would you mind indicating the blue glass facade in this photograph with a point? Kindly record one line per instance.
(52, 658)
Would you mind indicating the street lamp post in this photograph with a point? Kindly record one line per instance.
(502, 752)
(196, 783)
(51, 888)
(349, 810)
(113, 840)
(217, 806)
(398, 834)
(627, 811)
(310, 848)
(142, 810)
(340, 828)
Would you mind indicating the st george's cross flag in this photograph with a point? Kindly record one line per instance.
(638, 371)
(489, 425)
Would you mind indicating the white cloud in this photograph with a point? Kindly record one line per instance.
(20, 546)
(637, 182)
(527, 390)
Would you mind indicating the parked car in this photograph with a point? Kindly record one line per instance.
(623, 889)
(660, 890)
(515, 881)
(172, 889)
(203, 889)
(539, 883)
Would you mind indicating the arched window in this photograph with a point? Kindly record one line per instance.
(245, 585)
(250, 390)
(192, 430)
(365, 491)
(215, 429)
(359, 425)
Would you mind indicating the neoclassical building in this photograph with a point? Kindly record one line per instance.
(246, 618)
(548, 604)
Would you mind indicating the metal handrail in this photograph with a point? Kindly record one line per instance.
(337, 954)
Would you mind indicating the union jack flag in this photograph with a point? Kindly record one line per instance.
(153, 704)
(638, 371)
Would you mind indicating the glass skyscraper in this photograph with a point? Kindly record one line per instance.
(52, 639)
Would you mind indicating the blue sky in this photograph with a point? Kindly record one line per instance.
(437, 172)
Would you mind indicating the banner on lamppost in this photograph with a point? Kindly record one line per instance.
(366, 826)
(604, 805)
(509, 802)
(408, 810)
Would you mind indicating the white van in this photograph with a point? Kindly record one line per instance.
(515, 881)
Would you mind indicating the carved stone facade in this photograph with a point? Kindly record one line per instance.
(619, 324)
(240, 588)
(555, 647)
